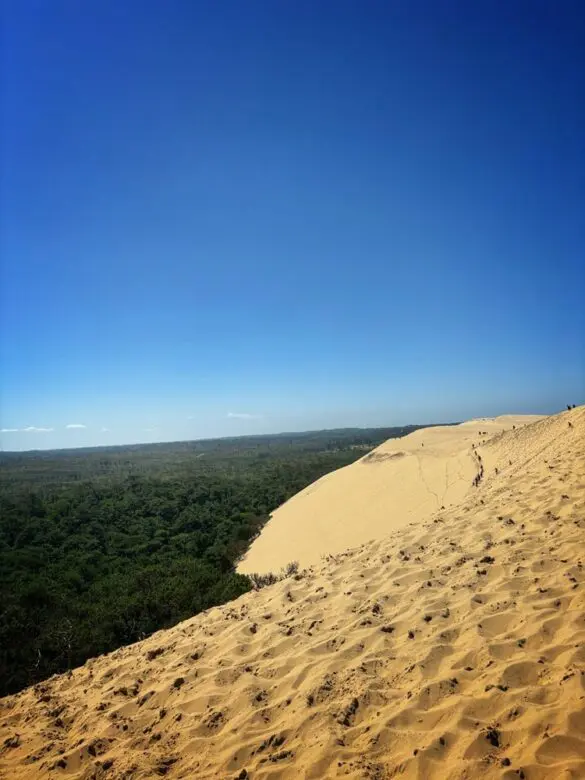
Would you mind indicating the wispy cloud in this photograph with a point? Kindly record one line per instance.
(30, 429)
(105, 430)
(244, 416)
(71, 426)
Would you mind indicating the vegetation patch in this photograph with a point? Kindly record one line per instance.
(101, 547)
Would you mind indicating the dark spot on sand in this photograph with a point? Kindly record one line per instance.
(152, 654)
(350, 711)
(493, 736)
(164, 765)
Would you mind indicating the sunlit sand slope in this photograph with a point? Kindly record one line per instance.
(401, 481)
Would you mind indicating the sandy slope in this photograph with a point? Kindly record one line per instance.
(403, 480)
(453, 649)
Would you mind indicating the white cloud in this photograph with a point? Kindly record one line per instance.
(9, 430)
(105, 430)
(33, 429)
(75, 425)
(243, 416)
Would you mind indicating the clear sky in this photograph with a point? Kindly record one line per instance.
(238, 217)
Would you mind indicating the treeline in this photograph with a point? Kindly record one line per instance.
(100, 548)
(58, 467)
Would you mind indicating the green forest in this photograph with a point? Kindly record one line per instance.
(101, 547)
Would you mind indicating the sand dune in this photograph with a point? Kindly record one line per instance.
(453, 648)
(402, 481)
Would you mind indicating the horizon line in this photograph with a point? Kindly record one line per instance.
(224, 438)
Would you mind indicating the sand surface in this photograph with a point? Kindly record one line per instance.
(402, 481)
(453, 648)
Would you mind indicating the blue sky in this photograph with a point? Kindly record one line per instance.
(223, 218)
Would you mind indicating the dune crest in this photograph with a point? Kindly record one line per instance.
(401, 481)
(454, 648)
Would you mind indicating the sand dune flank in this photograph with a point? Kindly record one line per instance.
(402, 481)
(453, 648)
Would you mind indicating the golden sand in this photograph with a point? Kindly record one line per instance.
(452, 648)
(402, 481)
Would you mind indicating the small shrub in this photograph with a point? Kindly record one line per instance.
(291, 569)
(262, 580)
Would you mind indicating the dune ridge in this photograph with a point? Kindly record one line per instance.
(453, 648)
(401, 481)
